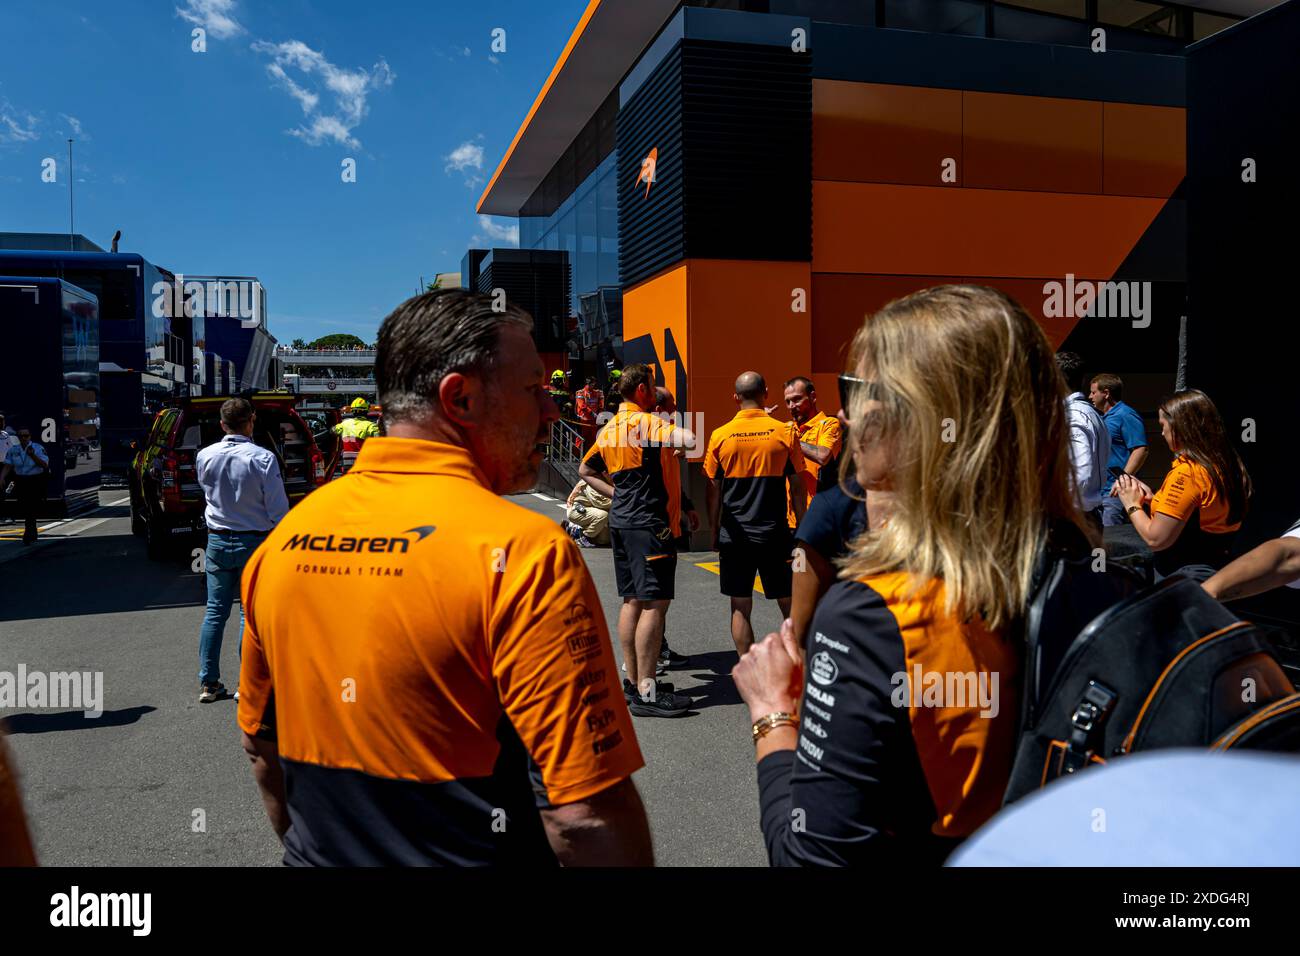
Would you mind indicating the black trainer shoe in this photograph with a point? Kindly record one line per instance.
(629, 691)
(663, 703)
(670, 658)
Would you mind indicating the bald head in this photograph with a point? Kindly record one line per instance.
(664, 401)
(751, 390)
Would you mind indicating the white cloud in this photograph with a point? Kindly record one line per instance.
(350, 89)
(213, 15)
(16, 126)
(75, 124)
(306, 98)
(467, 155)
(507, 234)
(466, 159)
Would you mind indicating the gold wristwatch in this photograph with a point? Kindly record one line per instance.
(765, 725)
(1131, 509)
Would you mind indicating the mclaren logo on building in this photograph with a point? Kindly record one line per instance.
(647, 173)
(380, 544)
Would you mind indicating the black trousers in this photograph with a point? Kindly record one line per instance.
(29, 492)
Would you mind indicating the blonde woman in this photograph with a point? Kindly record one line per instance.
(900, 742)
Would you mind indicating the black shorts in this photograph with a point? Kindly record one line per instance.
(645, 563)
(738, 563)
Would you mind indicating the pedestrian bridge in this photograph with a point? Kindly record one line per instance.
(331, 357)
(326, 386)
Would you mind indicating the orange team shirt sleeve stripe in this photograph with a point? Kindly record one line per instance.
(255, 688)
(966, 751)
(554, 668)
(712, 462)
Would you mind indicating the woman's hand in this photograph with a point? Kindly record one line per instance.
(769, 674)
(1130, 491)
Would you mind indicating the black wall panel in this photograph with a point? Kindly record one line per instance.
(732, 126)
(1243, 97)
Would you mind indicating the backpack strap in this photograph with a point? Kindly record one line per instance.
(1087, 727)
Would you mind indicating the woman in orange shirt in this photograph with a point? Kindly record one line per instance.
(1195, 515)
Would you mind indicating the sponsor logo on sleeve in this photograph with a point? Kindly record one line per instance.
(823, 669)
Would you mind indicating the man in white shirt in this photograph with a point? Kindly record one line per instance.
(7, 440)
(245, 500)
(28, 464)
(1089, 439)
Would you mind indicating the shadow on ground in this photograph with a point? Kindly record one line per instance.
(713, 670)
(98, 574)
(73, 720)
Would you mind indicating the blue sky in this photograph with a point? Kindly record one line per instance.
(228, 161)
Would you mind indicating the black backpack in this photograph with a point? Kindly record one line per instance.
(1147, 668)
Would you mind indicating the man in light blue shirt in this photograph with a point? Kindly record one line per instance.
(1128, 440)
(29, 466)
(245, 500)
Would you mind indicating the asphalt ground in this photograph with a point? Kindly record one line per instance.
(160, 779)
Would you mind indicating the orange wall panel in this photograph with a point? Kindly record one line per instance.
(1032, 142)
(876, 132)
(1145, 149)
(931, 230)
(741, 320)
(844, 301)
(655, 307)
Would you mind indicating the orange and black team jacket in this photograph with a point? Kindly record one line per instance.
(433, 664)
(906, 730)
(753, 455)
(633, 449)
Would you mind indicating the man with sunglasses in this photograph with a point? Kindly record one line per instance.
(29, 465)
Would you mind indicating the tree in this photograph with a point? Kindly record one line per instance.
(298, 344)
(433, 286)
(339, 340)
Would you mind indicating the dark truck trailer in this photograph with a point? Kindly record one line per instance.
(143, 351)
(50, 384)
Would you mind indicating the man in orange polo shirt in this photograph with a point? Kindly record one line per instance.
(629, 463)
(427, 676)
(820, 437)
(755, 467)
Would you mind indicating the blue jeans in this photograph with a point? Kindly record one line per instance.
(1112, 512)
(224, 562)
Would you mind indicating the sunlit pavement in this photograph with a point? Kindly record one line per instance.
(160, 779)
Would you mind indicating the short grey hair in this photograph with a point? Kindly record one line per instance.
(430, 336)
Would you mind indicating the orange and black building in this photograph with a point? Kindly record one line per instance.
(753, 177)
